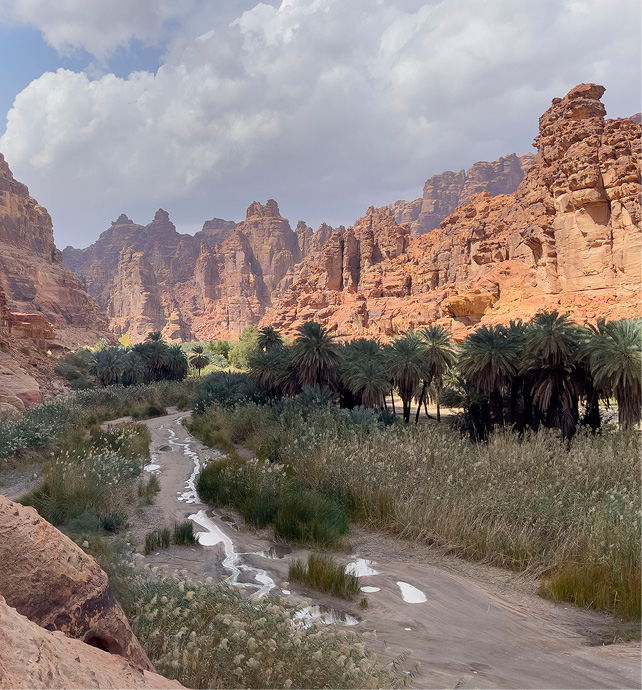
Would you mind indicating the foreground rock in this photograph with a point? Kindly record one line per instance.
(52, 582)
(31, 657)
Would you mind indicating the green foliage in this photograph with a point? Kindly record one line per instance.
(183, 533)
(326, 575)
(532, 502)
(240, 354)
(226, 389)
(147, 490)
(87, 484)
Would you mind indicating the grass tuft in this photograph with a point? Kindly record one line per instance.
(183, 533)
(326, 575)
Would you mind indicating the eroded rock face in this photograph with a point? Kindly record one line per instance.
(560, 230)
(443, 193)
(31, 657)
(31, 274)
(57, 586)
(568, 239)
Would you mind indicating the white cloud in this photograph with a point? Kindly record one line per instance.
(327, 105)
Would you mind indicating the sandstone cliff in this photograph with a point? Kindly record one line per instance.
(568, 238)
(560, 229)
(56, 585)
(31, 274)
(443, 193)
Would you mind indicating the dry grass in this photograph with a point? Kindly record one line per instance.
(567, 512)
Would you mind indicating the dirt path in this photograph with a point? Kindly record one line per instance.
(472, 626)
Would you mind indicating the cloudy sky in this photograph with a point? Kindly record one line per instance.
(328, 106)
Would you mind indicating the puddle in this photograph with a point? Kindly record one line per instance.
(407, 628)
(275, 552)
(190, 495)
(214, 535)
(326, 614)
(286, 591)
(230, 521)
(411, 594)
(362, 567)
(164, 449)
(152, 467)
(370, 590)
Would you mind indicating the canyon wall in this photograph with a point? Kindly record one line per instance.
(559, 229)
(568, 239)
(37, 288)
(443, 193)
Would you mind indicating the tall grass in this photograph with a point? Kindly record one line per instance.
(90, 478)
(46, 423)
(210, 636)
(264, 494)
(326, 575)
(569, 512)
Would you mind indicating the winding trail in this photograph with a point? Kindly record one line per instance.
(463, 631)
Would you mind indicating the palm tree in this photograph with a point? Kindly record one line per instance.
(266, 369)
(616, 365)
(521, 402)
(269, 338)
(134, 369)
(363, 373)
(198, 359)
(316, 356)
(439, 351)
(550, 364)
(154, 353)
(489, 360)
(154, 337)
(176, 364)
(107, 365)
(407, 366)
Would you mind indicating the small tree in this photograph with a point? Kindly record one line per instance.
(198, 359)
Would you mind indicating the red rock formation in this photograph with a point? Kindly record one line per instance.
(30, 272)
(568, 238)
(31, 657)
(443, 193)
(56, 585)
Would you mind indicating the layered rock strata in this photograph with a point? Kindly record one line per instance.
(567, 239)
(53, 583)
(31, 274)
(558, 230)
(443, 193)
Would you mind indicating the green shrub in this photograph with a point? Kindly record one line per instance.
(309, 518)
(148, 490)
(326, 575)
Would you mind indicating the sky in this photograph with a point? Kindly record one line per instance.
(328, 106)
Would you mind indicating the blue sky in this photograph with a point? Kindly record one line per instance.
(328, 106)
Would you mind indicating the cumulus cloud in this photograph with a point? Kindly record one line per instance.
(326, 105)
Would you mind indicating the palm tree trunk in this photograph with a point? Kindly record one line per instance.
(392, 398)
(421, 399)
(438, 408)
(497, 405)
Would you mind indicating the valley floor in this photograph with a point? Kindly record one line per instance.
(479, 627)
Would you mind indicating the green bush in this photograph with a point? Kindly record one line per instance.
(309, 518)
(156, 540)
(183, 533)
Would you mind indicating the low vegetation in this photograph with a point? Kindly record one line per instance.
(46, 423)
(181, 535)
(566, 510)
(265, 494)
(209, 635)
(326, 575)
(88, 484)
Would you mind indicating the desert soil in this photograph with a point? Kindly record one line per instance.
(480, 627)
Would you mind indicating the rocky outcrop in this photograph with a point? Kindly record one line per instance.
(568, 239)
(560, 229)
(31, 657)
(56, 585)
(31, 274)
(443, 193)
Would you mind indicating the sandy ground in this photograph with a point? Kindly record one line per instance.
(479, 627)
